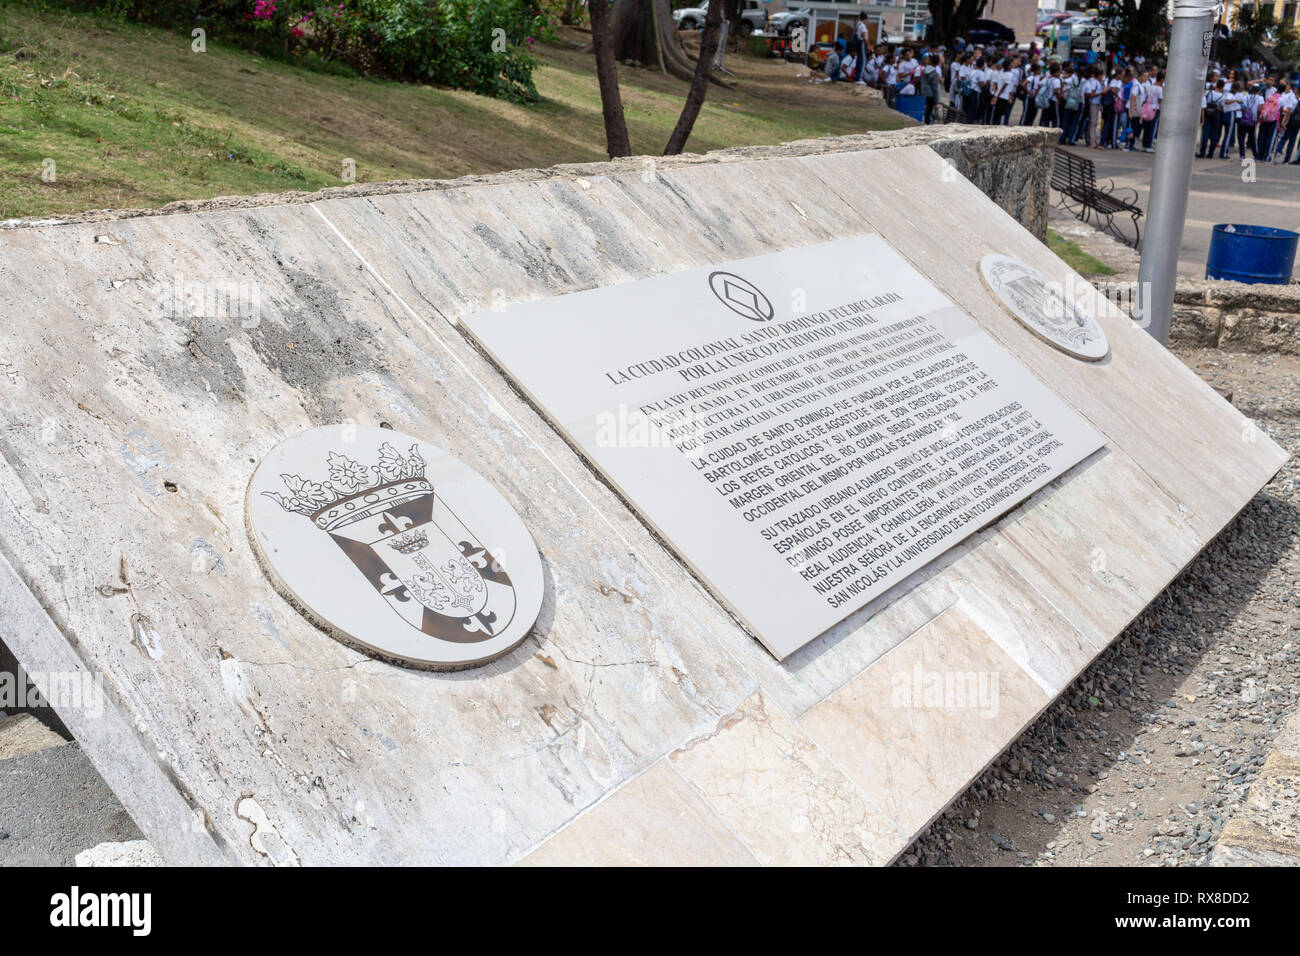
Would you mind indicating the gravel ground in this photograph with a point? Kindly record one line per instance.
(1146, 756)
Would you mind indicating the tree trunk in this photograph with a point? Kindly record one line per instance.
(617, 142)
(950, 19)
(1140, 28)
(709, 41)
(636, 37)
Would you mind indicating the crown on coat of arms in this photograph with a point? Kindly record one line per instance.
(354, 490)
(410, 542)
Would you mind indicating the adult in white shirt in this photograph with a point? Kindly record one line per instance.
(860, 38)
(1091, 92)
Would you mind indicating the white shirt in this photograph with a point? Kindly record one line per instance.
(1006, 84)
(1137, 95)
(1091, 89)
(1232, 102)
(1289, 101)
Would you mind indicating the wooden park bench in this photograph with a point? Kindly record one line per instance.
(947, 113)
(1075, 179)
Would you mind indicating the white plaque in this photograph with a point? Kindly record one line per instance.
(1044, 307)
(805, 428)
(394, 547)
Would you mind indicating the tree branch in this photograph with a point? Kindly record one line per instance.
(709, 41)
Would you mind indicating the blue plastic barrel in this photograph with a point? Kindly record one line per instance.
(913, 106)
(1251, 254)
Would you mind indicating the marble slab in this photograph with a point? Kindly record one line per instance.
(805, 439)
(235, 731)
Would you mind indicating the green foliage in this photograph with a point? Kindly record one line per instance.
(1252, 25)
(478, 45)
(1138, 27)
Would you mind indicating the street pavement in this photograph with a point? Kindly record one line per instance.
(1219, 194)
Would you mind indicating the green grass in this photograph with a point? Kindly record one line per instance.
(131, 117)
(1078, 260)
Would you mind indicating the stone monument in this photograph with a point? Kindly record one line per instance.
(160, 364)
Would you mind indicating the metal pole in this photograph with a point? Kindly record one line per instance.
(1171, 176)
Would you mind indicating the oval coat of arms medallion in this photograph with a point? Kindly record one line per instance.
(394, 547)
(1044, 307)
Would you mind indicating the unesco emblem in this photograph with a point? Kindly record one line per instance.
(741, 296)
(395, 547)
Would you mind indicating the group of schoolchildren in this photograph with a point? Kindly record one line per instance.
(1107, 107)
(1115, 109)
(1255, 113)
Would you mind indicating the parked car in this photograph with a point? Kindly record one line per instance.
(1044, 23)
(1078, 23)
(990, 31)
(785, 21)
(752, 17)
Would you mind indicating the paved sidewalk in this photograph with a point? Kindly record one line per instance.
(1218, 195)
(53, 805)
